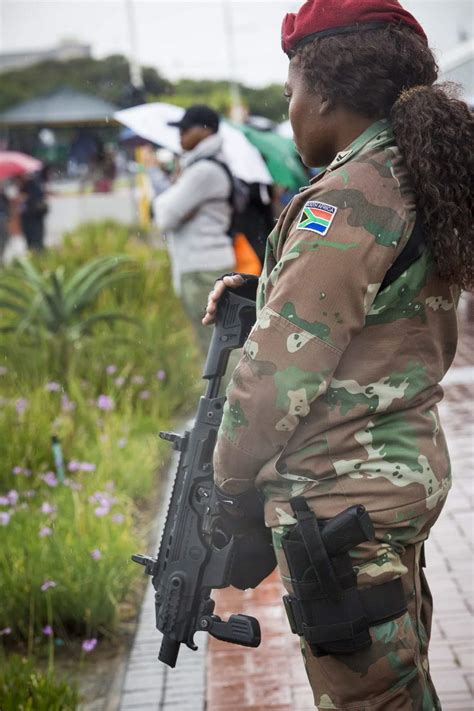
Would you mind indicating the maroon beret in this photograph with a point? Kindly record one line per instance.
(321, 18)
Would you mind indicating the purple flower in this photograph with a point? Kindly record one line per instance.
(87, 467)
(5, 518)
(111, 369)
(46, 508)
(74, 465)
(4, 501)
(118, 518)
(45, 531)
(67, 405)
(53, 387)
(50, 479)
(119, 381)
(48, 584)
(144, 395)
(104, 402)
(102, 498)
(21, 405)
(17, 471)
(6, 630)
(161, 375)
(48, 630)
(12, 497)
(96, 554)
(29, 494)
(88, 645)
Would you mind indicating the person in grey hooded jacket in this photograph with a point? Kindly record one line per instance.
(195, 214)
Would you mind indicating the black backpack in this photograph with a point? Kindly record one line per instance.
(252, 210)
(239, 196)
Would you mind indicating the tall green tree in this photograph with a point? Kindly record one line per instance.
(267, 101)
(107, 78)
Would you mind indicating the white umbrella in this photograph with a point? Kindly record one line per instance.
(284, 129)
(150, 121)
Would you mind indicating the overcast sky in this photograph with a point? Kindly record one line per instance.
(187, 38)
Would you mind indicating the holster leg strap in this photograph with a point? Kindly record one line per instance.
(379, 604)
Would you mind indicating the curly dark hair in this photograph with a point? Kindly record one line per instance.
(367, 72)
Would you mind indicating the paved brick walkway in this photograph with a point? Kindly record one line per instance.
(149, 685)
(272, 677)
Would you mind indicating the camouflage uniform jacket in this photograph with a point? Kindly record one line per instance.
(335, 396)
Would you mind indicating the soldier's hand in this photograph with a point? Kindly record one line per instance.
(227, 282)
(242, 514)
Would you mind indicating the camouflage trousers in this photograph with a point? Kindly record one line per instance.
(195, 287)
(393, 673)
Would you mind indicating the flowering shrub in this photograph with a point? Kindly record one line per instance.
(70, 517)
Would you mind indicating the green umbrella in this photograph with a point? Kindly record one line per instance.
(280, 156)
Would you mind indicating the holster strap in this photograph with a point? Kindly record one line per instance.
(337, 632)
(315, 549)
(422, 556)
(380, 604)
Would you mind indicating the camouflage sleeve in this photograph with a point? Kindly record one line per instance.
(327, 264)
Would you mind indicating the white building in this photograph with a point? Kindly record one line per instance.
(66, 49)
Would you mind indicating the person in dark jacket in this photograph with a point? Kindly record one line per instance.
(33, 211)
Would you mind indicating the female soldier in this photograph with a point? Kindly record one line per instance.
(335, 398)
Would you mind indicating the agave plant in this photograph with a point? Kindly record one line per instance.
(60, 306)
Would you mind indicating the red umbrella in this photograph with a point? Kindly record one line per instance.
(14, 163)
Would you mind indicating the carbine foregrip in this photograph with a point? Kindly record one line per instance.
(234, 320)
(169, 651)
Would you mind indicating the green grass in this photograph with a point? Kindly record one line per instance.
(121, 387)
(24, 688)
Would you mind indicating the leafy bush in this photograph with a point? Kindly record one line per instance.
(56, 307)
(23, 688)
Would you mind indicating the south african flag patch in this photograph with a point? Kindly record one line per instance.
(317, 217)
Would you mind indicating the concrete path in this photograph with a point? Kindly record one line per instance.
(148, 684)
(67, 211)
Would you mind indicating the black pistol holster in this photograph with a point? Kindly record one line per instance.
(326, 607)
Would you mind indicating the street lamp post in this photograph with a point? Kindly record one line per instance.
(136, 77)
(236, 108)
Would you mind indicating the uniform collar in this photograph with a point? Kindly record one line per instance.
(377, 133)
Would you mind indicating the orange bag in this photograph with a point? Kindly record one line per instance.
(246, 259)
